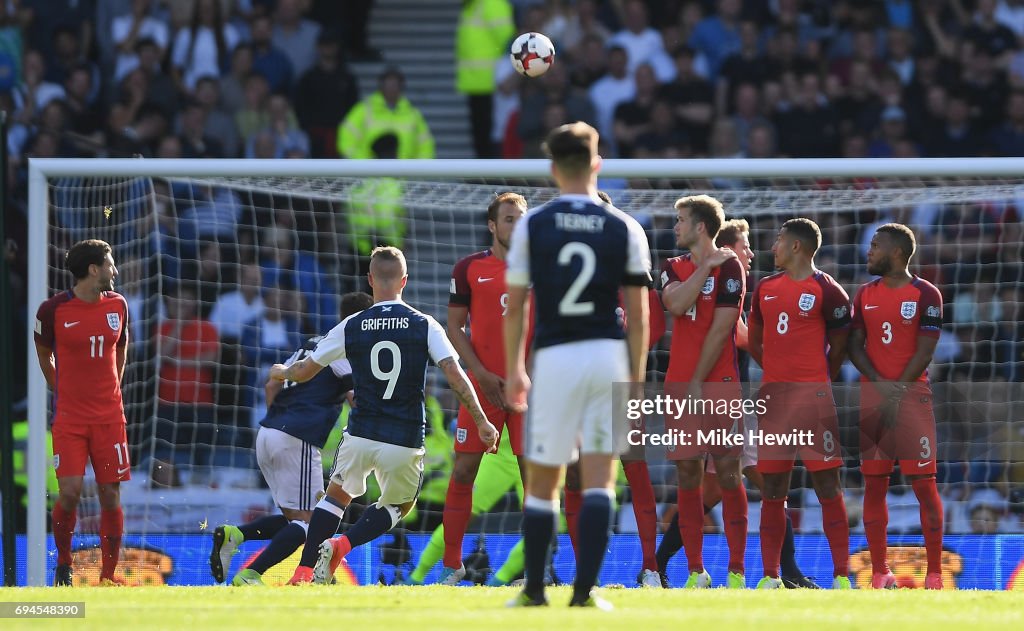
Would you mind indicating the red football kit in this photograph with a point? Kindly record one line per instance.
(892, 320)
(796, 317)
(88, 411)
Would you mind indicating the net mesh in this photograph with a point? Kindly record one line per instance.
(262, 262)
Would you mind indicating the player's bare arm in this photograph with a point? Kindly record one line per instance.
(492, 387)
(300, 371)
(742, 335)
(837, 339)
(638, 332)
(714, 341)
(679, 296)
(45, 356)
(271, 389)
(122, 358)
(755, 341)
(460, 385)
(921, 358)
(517, 383)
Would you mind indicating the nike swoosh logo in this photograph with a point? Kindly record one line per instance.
(870, 307)
(770, 297)
(480, 279)
(68, 325)
(828, 458)
(921, 465)
(123, 471)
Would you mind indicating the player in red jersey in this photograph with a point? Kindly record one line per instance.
(703, 290)
(479, 298)
(799, 322)
(81, 340)
(896, 323)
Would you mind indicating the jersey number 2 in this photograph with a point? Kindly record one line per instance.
(570, 304)
(390, 376)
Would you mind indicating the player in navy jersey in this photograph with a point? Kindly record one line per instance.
(389, 347)
(299, 418)
(577, 252)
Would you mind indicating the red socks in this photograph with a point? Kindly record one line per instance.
(876, 520)
(111, 529)
(573, 503)
(931, 520)
(773, 531)
(837, 530)
(458, 509)
(691, 526)
(734, 514)
(644, 509)
(63, 527)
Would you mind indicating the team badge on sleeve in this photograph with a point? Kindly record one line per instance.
(934, 311)
(664, 279)
(908, 309)
(460, 435)
(114, 320)
(839, 313)
(709, 286)
(732, 285)
(806, 302)
(451, 288)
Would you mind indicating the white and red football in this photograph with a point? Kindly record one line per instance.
(532, 54)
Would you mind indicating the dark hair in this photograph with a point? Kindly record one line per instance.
(805, 231)
(902, 236)
(604, 197)
(385, 146)
(354, 302)
(515, 199)
(83, 254)
(218, 32)
(572, 147)
(731, 232)
(704, 209)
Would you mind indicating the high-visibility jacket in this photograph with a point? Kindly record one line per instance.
(485, 29)
(375, 213)
(371, 118)
(20, 431)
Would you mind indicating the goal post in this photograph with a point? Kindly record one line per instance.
(902, 181)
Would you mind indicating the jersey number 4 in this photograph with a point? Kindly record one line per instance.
(570, 304)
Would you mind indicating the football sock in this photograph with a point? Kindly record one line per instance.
(322, 525)
(286, 541)
(773, 529)
(458, 504)
(672, 542)
(111, 529)
(431, 554)
(788, 558)
(539, 518)
(573, 501)
(63, 528)
(691, 526)
(263, 528)
(837, 530)
(931, 520)
(644, 509)
(595, 520)
(513, 564)
(374, 522)
(734, 514)
(876, 520)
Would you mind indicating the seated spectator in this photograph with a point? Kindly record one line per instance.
(986, 90)
(747, 111)
(589, 64)
(582, 24)
(760, 142)
(386, 111)
(326, 94)
(232, 84)
(295, 35)
(717, 36)
(33, 93)
(858, 108)
(268, 60)
(245, 304)
(195, 142)
(84, 116)
(127, 30)
(283, 129)
(633, 117)
(1008, 138)
(253, 116)
(663, 138)
(747, 65)
(160, 87)
(643, 44)
(892, 129)
(204, 47)
(283, 264)
(986, 507)
(552, 88)
(270, 339)
(612, 89)
(691, 98)
(808, 128)
(219, 125)
(958, 136)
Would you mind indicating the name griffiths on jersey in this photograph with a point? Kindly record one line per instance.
(722, 438)
(384, 324)
(579, 223)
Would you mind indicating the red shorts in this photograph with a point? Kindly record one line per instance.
(105, 444)
(904, 431)
(708, 427)
(800, 419)
(467, 438)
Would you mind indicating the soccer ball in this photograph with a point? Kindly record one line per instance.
(532, 54)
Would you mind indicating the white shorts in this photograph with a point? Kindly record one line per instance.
(749, 456)
(291, 467)
(571, 406)
(399, 470)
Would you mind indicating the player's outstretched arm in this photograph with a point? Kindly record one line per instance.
(637, 329)
(460, 385)
(679, 296)
(300, 371)
(517, 383)
(45, 356)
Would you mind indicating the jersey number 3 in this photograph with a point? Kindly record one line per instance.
(570, 304)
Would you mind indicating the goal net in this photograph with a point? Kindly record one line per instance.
(228, 266)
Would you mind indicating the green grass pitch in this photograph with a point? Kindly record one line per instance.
(482, 609)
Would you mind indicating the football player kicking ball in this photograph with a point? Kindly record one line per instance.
(577, 252)
(81, 338)
(299, 419)
(795, 314)
(896, 323)
(389, 347)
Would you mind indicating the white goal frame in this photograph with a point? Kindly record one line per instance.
(42, 169)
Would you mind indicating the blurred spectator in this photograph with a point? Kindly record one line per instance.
(893, 128)
(219, 125)
(807, 128)
(747, 110)
(1010, 13)
(253, 116)
(204, 47)
(643, 44)
(127, 30)
(717, 36)
(195, 143)
(690, 96)
(295, 35)
(268, 60)
(551, 89)
(11, 45)
(958, 136)
(746, 65)
(283, 129)
(1008, 139)
(45, 17)
(612, 89)
(986, 33)
(386, 111)
(663, 137)
(270, 339)
(580, 25)
(633, 117)
(354, 17)
(245, 304)
(506, 102)
(284, 265)
(375, 214)
(232, 84)
(590, 63)
(325, 94)
(985, 508)
(482, 37)
(34, 92)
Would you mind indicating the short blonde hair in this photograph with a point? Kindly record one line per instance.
(731, 232)
(704, 209)
(384, 254)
